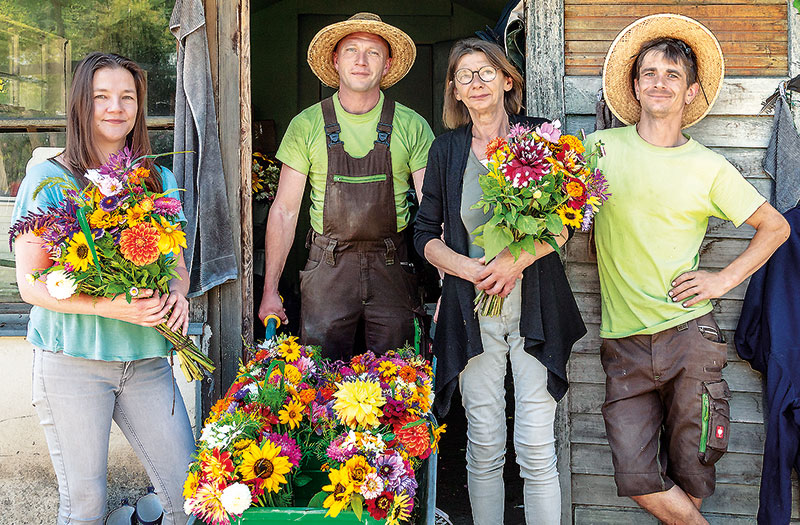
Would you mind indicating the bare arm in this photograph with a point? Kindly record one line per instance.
(30, 256)
(772, 230)
(279, 237)
(419, 177)
(501, 274)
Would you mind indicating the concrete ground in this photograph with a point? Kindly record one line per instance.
(28, 488)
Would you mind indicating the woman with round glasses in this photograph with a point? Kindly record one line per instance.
(539, 321)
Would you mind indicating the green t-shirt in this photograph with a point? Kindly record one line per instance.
(79, 335)
(650, 231)
(303, 148)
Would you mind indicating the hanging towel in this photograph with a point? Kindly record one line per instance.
(210, 255)
(782, 160)
(603, 118)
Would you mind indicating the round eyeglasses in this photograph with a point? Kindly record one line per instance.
(487, 73)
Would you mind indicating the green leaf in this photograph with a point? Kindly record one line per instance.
(528, 244)
(414, 424)
(357, 503)
(553, 223)
(495, 240)
(318, 500)
(797, 5)
(552, 242)
(527, 224)
(87, 232)
(516, 249)
(301, 480)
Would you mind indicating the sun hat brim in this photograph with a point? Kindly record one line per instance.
(621, 56)
(320, 50)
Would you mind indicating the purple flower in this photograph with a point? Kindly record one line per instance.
(167, 206)
(109, 204)
(288, 446)
(390, 467)
(518, 130)
(588, 214)
(408, 484)
(337, 451)
(118, 163)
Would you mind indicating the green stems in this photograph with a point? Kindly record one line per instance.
(488, 305)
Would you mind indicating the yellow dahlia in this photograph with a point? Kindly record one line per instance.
(103, 219)
(265, 463)
(291, 414)
(134, 215)
(359, 402)
(341, 489)
(358, 470)
(140, 244)
(78, 254)
(172, 238)
(191, 484)
(292, 374)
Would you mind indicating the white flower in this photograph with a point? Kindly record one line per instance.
(236, 498)
(537, 194)
(60, 285)
(94, 176)
(372, 486)
(188, 506)
(109, 187)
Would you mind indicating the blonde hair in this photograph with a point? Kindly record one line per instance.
(455, 113)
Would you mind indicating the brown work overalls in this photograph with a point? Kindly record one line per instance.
(358, 269)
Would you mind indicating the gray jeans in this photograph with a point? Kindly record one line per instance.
(483, 394)
(77, 398)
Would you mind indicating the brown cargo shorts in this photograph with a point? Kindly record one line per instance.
(666, 409)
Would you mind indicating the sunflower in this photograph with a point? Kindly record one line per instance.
(140, 244)
(341, 490)
(291, 414)
(239, 446)
(401, 510)
(569, 216)
(359, 402)
(358, 470)
(172, 238)
(191, 484)
(265, 463)
(387, 369)
(290, 350)
(78, 254)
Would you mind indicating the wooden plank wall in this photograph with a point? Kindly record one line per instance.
(733, 130)
(752, 33)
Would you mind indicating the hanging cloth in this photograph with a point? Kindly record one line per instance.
(782, 159)
(603, 118)
(210, 255)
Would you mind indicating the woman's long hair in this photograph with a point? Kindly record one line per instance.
(80, 154)
(455, 113)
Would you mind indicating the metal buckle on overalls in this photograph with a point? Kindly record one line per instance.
(332, 132)
(390, 251)
(329, 257)
(682, 327)
(384, 132)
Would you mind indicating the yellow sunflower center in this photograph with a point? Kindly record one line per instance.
(82, 252)
(338, 492)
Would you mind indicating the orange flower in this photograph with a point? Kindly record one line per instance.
(407, 374)
(221, 405)
(146, 204)
(574, 143)
(138, 174)
(140, 244)
(307, 396)
(416, 439)
(494, 145)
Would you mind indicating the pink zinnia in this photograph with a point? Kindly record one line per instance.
(549, 131)
(167, 206)
(288, 446)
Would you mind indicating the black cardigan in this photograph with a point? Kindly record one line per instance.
(550, 320)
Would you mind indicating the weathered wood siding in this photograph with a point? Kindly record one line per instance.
(757, 38)
(752, 33)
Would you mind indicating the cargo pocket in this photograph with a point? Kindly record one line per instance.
(715, 422)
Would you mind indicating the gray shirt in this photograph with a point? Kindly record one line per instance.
(470, 193)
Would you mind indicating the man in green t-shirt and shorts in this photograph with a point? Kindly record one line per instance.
(360, 151)
(666, 408)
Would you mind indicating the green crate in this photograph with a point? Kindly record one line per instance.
(306, 516)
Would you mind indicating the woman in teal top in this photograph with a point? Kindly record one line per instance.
(98, 359)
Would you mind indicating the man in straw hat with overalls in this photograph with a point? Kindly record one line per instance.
(666, 408)
(360, 151)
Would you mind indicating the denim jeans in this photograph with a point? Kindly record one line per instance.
(77, 398)
(482, 385)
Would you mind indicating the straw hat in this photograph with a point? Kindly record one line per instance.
(320, 50)
(617, 82)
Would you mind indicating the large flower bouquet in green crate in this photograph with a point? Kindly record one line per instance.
(292, 416)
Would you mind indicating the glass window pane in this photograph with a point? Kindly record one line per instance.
(41, 42)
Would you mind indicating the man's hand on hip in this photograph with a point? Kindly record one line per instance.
(700, 284)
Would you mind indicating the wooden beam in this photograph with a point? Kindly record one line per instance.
(245, 169)
(545, 97)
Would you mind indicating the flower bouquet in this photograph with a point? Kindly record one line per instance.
(538, 182)
(265, 177)
(114, 237)
(346, 435)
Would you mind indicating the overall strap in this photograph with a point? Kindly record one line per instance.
(385, 122)
(332, 128)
